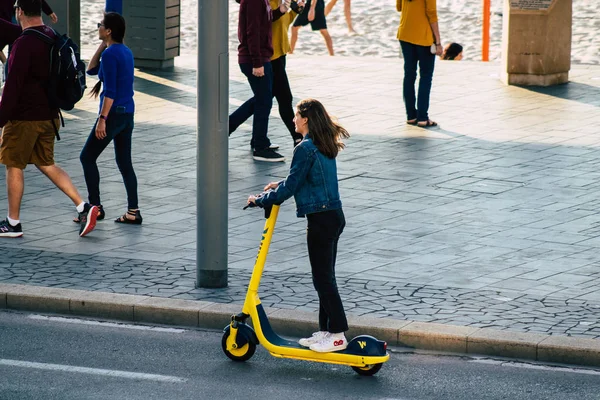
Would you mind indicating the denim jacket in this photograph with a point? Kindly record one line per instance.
(312, 181)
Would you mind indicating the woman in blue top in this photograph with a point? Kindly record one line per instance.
(314, 184)
(113, 63)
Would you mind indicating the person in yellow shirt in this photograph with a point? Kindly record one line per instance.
(418, 34)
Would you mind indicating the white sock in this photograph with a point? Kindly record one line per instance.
(13, 222)
(81, 207)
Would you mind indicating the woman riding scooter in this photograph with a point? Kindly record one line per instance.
(314, 184)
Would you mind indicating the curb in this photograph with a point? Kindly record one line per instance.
(202, 314)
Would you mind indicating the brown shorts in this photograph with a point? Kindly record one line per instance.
(28, 142)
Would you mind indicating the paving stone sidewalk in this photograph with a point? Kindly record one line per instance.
(489, 220)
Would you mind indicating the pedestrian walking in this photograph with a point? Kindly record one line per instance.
(313, 182)
(113, 63)
(284, 12)
(254, 57)
(347, 13)
(313, 14)
(420, 41)
(29, 124)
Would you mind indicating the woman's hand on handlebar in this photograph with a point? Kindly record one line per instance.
(252, 200)
(272, 185)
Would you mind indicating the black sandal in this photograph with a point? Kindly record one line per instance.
(427, 124)
(101, 215)
(133, 213)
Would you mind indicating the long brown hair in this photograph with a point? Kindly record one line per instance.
(116, 23)
(325, 133)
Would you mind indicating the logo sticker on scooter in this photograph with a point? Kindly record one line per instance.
(362, 344)
(261, 243)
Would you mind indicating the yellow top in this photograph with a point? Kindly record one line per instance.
(415, 21)
(281, 42)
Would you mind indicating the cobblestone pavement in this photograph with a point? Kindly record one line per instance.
(489, 220)
(379, 298)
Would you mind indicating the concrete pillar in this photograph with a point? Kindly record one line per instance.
(69, 18)
(536, 42)
(153, 32)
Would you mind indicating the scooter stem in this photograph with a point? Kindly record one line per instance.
(263, 250)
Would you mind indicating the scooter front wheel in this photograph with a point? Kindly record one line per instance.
(368, 370)
(243, 353)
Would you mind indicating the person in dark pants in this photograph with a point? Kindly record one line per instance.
(282, 19)
(314, 184)
(113, 63)
(418, 33)
(254, 57)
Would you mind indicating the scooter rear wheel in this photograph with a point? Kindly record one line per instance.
(241, 354)
(368, 370)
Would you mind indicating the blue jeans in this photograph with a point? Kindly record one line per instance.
(413, 55)
(260, 105)
(119, 127)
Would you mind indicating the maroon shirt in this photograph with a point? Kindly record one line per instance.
(7, 10)
(24, 97)
(254, 32)
(8, 33)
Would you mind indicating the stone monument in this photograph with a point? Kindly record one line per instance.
(536, 42)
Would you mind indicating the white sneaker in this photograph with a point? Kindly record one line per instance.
(330, 342)
(315, 338)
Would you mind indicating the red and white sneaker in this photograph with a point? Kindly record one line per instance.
(87, 219)
(315, 338)
(330, 342)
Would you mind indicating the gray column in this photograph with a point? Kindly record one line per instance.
(69, 18)
(212, 141)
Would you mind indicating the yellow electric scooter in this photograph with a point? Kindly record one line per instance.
(364, 353)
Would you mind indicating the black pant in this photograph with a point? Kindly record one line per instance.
(281, 91)
(283, 94)
(323, 232)
(413, 55)
(259, 105)
(119, 127)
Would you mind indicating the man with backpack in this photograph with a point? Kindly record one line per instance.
(30, 123)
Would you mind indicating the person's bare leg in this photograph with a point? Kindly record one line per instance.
(294, 38)
(15, 184)
(348, 14)
(328, 40)
(329, 6)
(62, 181)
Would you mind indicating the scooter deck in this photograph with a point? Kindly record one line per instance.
(277, 340)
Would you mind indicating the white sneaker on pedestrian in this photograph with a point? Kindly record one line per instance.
(330, 342)
(307, 342)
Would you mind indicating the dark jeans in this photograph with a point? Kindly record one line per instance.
(260, 105)
(413, 55)
(119, 128)
(323, 232)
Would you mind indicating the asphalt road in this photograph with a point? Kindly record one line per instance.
(58, 358)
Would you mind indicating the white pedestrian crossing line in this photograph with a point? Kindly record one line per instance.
(92, 371)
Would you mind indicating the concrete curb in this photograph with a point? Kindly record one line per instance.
(419, 335)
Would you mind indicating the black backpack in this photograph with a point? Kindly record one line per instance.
(67, 72)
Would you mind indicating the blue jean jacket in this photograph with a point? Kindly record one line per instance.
(312, 181)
